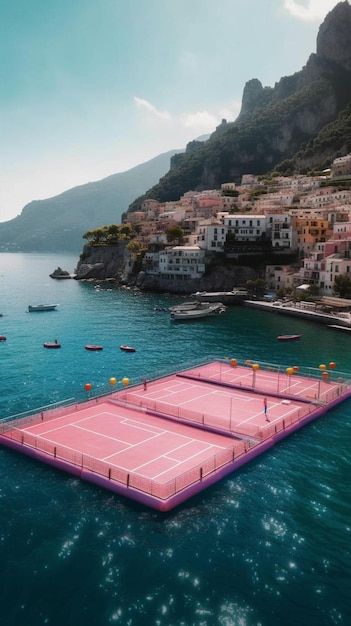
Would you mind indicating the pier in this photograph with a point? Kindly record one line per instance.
(302, 310)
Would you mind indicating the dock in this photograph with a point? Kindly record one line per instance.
(163, 441)
(304, 310)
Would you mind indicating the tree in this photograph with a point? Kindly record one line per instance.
(342, 286)
(113, 233)
(175, 233)
(257, 287)
(127, 231)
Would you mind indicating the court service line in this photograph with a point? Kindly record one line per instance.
(50, 430)
(131, 445)
(176, 462)
(165, 455)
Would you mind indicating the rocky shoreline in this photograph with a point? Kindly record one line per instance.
(114, 264)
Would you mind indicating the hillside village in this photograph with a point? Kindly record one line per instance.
(306, 218)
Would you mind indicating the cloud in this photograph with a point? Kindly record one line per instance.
(204, 121)
(311, 10)
(144, 105)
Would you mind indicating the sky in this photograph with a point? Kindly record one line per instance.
(90, 88)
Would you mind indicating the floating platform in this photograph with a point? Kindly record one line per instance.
(163, 441)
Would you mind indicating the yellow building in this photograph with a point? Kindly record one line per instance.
(308, 230)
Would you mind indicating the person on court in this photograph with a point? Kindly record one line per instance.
(265, 407)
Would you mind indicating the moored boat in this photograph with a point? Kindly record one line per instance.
(41, 307)
(52, 344)
(93, 347)
(288, 337)
(203, 310)
(127, 348)
(2, 338)
(185, 306)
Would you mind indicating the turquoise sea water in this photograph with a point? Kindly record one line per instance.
(269, 545)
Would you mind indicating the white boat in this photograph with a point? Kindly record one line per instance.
(186, 306)
(198, 312)
(41, 307)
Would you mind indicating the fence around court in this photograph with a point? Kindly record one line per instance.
(219, 423)
(132, 479)
(10, 428)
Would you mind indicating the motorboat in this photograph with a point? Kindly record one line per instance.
(93, 347)
(52, 344)
(186, 306)
(288, 337)
(41, 307)
(198, 312)
(127, 348)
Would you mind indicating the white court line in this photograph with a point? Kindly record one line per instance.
(165, 456)
(130, 446)
(175, 461)
(275, 419)
(98, 434)
(68, 423)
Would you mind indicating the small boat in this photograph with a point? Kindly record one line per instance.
(204, 310)
(41, 307)
(93, 347)
(127, 348)
(2, 338)
(52, 344)
(185, 306)
(288, 337)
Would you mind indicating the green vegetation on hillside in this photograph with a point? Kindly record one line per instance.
(255, 144)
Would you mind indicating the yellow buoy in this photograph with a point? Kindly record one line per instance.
(125, 381)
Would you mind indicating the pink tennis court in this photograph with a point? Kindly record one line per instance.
(163, 441)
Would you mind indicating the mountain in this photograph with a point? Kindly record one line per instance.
(57, 224)
(276, 123)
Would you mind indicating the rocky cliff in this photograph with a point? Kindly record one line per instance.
(222, 277)
(274, 122)
(102, 263)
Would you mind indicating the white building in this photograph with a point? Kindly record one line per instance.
(341, 166)
(182, 263)
(280, 277)
(246, 226)
(280, 230)
(332, 267)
